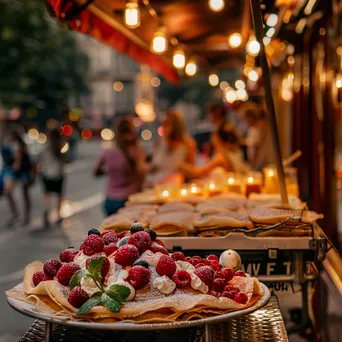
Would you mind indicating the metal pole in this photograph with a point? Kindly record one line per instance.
(271, 115)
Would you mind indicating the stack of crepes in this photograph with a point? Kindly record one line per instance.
(160, 299)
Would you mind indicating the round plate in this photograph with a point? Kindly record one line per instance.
(32, 311)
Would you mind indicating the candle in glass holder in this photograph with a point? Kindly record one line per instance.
(271, 180)
(253, 183)
(183, 193)
(291, 181)
(212, 188)
(164, 192)
(234, 183)
(194, 190)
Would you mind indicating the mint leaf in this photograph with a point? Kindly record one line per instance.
(111, 304)
(94, 300)
(76, 278)
(94, 268)
(118, 292)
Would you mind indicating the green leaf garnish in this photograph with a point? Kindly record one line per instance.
(111, 304)
(94, 268)
(94, 300)
(77, 277)
(118, 292)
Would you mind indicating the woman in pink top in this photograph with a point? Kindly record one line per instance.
(124, 164)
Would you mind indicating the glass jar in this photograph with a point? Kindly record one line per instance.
(253, 183)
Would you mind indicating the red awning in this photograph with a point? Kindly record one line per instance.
(90, 24)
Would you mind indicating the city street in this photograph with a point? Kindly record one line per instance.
(21, 245)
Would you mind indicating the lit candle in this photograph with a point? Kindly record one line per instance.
(183, 192)
(212, 188)
(253, 183)
(233, 183)
(165, 194)
(271, 180)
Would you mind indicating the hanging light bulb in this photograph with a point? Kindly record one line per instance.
(132, 14)
(213, 80)
(253, 75)
(230, 95)
(159, 42)
(253, 47)
(179, 59)
(234, 40)
(216, 5)
(272, 20)
(191, 68)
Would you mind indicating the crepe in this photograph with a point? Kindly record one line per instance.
(139, 207)
(274, 201)
(231, 197)
(174, 223)
(145, 197)
(218, 205)
(175, 206)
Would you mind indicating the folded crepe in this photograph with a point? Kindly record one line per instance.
(175, 206)
(232, 197)
(145, 197)
(139, 207)
(174, 223)
(274, 201)
(214, 206)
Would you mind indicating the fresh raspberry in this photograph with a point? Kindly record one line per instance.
(218, 284)
(241, 298)
(141, 240)
(187, 259)
(68, 255)
(136, 227)
(126, 255)
(159, 242)
(228, 273)
(200, 264)
(231, 288)
(215, 266)
(105, 265)
(93, 244)
(212, 293)
(111, 237)
(155, 248)
(166, 266)
(106, 232)
(110, 249)
(39, 276)
(94, 231)
(122, 235)
(182, 279)
(206, 274)
(77, 297)
(66, 272)
(227, 294)
(194, 262)
(51, 267)
(220, 274)
(152, 233)
(139, 276)
(239, 274)
(205, 262)
(82, 247)
(212, 257)
(178, 256)
(197, 258)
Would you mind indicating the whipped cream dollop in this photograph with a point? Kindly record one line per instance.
(164, 284)
(197, 284)
(89, 286)
(117, 275)
(80, 259)
(185, 266)
(151, 258)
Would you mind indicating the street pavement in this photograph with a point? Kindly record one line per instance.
(21, 245)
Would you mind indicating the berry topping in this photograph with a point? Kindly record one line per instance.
(239, 274)
(218, 284)
(111, 237)
(206, 274)
(178, 256)
(166, 266)
(152, 233)
(126, 255)
(105, 265)
(182, 279)
(227, 294)
(77, 297)
(66, 272)
(220, 274)
(110, 249)
(51, 267)
(82, 247)
(197, 258)
(123, 241)
(228, 273)
(39, 276)
(136, 227)
(93, 244)
(155, 248)
(139, 276)
(215, 265)
(159, 242)
(212, 293)
(200, 264)
(231, 288)
(122, 235)
(141, 262)
(241, 298)
(187, 259)
(141, 240)
(94, 231)
(212, 257)
(68, 255)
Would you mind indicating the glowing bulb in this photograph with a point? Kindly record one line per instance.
(159, 42)
(339, 82)
(33, 134)
(231, 180)
(118, 86)
(235, 40)
(213, 80)
(184, 192)
(253, 76)
(270, 32)
(107, 134)
(191, 68)
(270, 173)
(250, 180)
(146, 134)
(179, 59)
(242, 95)
(239, 84)
(211, 186)
(266, 40)
(253, 47)
(132, 14)
(272, 20)
(230, 95)
(193, 189)
(216, 5)
(224, 85)
(165, 193)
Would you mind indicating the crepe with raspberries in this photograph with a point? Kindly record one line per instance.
(136, 280)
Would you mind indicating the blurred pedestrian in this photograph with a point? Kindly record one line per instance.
(51, 163)
(124, 165)
(19, 170)
(176, 147)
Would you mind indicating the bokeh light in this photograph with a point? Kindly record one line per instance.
(146, 134)
(155, 82)
(42, 138)
(160, 131)
(118, 86)
(107, 134)
(86, 134)
(213, 80)
(235, 40)
(67, 130)
(33, 133)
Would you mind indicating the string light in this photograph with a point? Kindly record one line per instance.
(224, 85)
(235, 40)
(155, 82)
(213, 80)
(179, 59)
(266, 40)
(216, 5)
(118, 86)
(272, 20)
(239, 84)
(230, 95)
(253, 75)
(242, 95)
(146, 134)
(191, 68)
(159, 42)
(132, 14)
(253, 47)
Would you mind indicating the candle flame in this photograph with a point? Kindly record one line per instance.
(184, 192)
(194, 189)
(231, 180)
(165, 193)
(250, 180)
(271, 173)
(211, 186)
